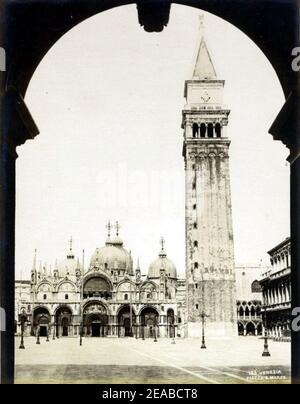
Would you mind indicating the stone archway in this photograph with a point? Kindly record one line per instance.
(241, 329)
(150, 322)
(63, 322)
(250, 329)
(126, 322)
(41, 322)
(95, 320)
(97, 286)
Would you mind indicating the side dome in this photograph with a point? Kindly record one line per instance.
(69, 266)
(162, 262)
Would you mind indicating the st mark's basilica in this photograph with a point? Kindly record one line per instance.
(112, 297)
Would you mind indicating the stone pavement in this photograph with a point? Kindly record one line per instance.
(105, 361)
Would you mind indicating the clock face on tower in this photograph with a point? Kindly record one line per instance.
(205, 97)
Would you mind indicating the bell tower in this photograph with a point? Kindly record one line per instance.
(210, 273)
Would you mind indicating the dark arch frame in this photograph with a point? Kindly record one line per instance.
(29, 30)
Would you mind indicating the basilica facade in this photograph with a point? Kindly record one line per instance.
(110, 298)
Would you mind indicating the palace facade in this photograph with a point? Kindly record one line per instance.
(276, 285)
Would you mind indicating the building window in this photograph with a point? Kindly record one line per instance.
(218, 130)
(196, 285)
(66, 297)
(195, 226)
(197, 306)
(202, 130)
(179, 320)
(196, 265)
(126, 297)
(45, 297)
(195, 130)
(196, 244)
(194, 206)
(210, 130)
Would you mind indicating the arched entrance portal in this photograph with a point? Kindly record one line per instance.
(41, 322)
(126, 322)
(95, 320)
(250, 329)
(150, 322)
(63, 322)
(241, 329)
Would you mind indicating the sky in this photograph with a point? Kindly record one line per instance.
(108, 99)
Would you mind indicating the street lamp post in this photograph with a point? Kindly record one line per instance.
(203, 315)
(54, 326)
(266, 352)
(173, 326)
(155, 325)
(38, 336)
(80, 338)
(22, 346)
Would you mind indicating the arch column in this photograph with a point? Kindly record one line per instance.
(16, 126)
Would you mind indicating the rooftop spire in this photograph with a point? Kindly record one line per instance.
(70, 253)
(204, 67)
(71, 243)
(117, 227)
(83, 258)
(162, 252)
(108, 227)
(34, 260)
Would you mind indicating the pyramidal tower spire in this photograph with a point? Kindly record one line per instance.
(204, 68)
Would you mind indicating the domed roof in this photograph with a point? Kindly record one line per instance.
(70, 265)
(112, 256)
(162, 262)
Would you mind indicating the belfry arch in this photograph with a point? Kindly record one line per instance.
(33, 28)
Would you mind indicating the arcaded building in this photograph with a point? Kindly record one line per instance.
(110, 298)
(249, 300)
(276, 285)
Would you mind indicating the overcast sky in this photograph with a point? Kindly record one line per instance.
(107, 99)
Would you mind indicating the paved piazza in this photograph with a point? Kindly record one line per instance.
(105, 361)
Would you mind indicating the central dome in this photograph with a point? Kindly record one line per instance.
(112, 256)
